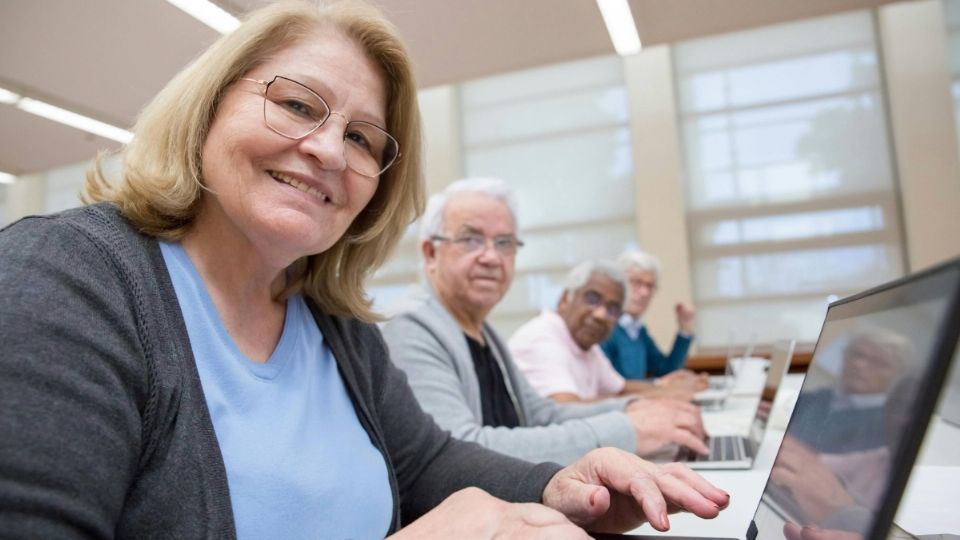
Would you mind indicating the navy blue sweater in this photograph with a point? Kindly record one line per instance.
(641, 358)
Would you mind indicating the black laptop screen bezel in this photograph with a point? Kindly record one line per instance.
(934, 375)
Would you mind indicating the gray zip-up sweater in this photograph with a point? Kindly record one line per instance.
(104, 431)
(430, 346)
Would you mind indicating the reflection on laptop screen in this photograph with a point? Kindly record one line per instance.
(950, 411)
(866, 390)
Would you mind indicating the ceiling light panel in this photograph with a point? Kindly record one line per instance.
(208, 13)
(619, 20)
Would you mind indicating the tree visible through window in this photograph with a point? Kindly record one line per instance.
(791, 195)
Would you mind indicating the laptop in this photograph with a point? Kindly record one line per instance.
(950, 409)
(722, 386)
(739, 451)
(728, 379)
(853, 486)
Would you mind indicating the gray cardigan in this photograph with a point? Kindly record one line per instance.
(104, 431)
(430, 346)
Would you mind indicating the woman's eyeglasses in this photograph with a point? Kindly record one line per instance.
(294, 111)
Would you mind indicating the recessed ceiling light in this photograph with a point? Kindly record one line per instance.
(623, 32)
(7, 178)
(208, 13)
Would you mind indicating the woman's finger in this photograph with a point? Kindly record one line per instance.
(691, 495)
(646, 492)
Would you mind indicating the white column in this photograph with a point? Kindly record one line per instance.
(26, 196)
(915, 52)
(661, 212)
(439, 108)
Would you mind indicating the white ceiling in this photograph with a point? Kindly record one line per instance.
(107, 58)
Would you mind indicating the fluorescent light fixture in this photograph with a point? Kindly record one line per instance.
(7, 97)
(7, 178)
(623, 32)
(64, 116)
(208, 13)
(73, 119)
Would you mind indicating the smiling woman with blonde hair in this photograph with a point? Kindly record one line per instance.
(192, 354)
(162, 185)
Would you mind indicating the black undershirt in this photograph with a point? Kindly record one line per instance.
(498, 409)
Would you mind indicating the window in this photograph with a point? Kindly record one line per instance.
(952, 12)
(790, 190)
(560, 136)
(64, 185)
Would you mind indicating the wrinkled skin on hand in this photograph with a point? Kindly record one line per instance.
(659, 423)
(472, 513)
(609, 490)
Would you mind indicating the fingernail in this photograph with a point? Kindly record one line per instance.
(664, 522)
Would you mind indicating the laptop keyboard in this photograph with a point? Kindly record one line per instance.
(723, 448)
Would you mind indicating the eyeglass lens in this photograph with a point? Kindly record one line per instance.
(295, 111)
(595, 300)
(504, 245)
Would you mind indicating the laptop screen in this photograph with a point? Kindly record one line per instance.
(950, 410)
(862, 411)
(780, 357)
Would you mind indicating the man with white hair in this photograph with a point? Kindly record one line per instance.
(873, 363)
(461, 371)
(630, 348)
(559, 351)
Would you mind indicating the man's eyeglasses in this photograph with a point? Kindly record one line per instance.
(294, 111)
(594, 300)
(506, 245)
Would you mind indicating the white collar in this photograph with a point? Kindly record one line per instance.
(630, 325)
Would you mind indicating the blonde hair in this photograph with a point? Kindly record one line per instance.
(161, 185)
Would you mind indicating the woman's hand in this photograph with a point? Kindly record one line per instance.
(472, 513)
(609, 490)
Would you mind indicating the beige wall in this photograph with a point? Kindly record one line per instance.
(440, 109)
(924, 137)
(661, 227)
(26, 196)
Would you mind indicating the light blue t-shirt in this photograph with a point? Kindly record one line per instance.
(299, 463)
